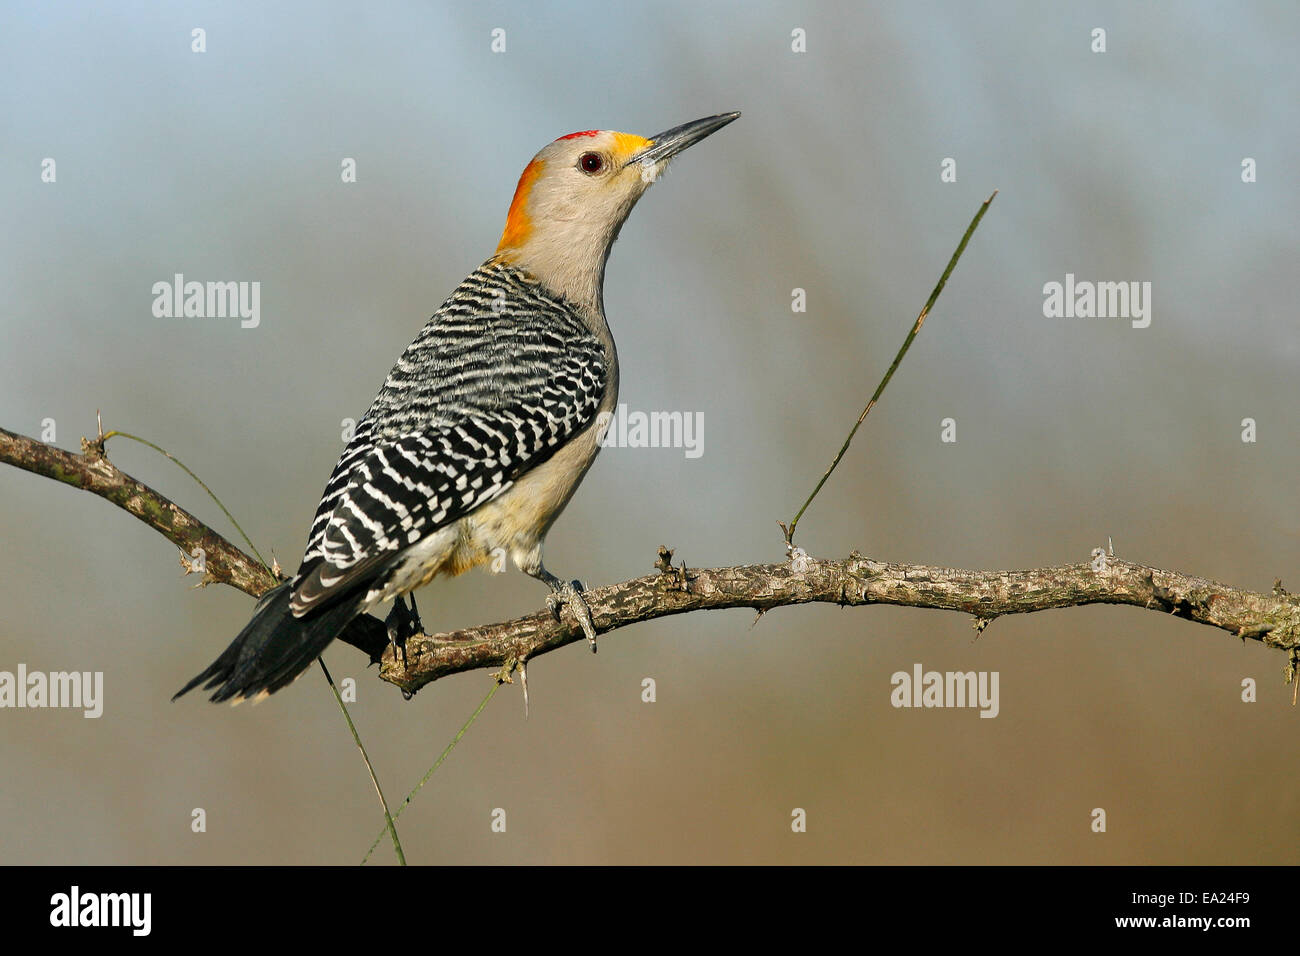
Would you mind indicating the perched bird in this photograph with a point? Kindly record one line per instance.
(484, 427)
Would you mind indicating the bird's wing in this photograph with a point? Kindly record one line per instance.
(474, 403)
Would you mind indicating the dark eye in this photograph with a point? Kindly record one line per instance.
(591, 162)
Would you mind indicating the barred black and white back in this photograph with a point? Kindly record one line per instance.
(500, 379)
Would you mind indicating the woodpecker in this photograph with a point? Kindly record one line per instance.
(483, 429)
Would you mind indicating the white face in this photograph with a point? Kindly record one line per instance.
(588, 177)
(571, 201)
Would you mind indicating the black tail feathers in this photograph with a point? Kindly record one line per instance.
(274, 648)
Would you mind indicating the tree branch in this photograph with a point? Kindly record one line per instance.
(1272, 619)
(92, 471)
(223, 562)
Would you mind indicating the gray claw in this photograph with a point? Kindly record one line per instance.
(578, 604)
(571, 594)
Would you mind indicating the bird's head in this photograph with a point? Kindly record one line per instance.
(575, 195)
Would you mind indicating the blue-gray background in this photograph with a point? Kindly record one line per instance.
(225, 165)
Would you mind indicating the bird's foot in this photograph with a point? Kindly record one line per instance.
(402, 623)
(570, 594)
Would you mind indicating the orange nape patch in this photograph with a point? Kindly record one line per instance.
(518, 222)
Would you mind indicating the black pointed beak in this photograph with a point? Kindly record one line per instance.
(672, 141)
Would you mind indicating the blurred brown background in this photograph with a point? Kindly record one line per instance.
(1120, 166)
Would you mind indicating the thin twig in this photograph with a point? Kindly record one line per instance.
(397, 845)
(388, 817)
(907, 343)
(166, 454)
(436, 764)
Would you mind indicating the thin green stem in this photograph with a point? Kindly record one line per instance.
(907, 343)
(388, 817)
(392, 829)
(165, 453)
(437, 763)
